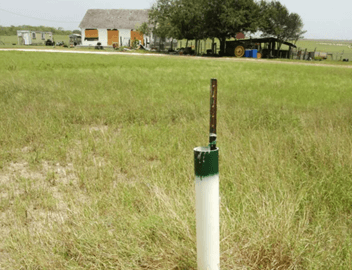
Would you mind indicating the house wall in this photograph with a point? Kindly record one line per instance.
(102, 38)
(34, 39)
(149, 40)
(39, 37)
(113, 37)
(137, 35)
(125, 36)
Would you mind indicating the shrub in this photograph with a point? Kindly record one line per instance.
(135, 43)
(49, 43)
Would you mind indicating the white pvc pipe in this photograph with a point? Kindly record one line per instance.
(207, 220)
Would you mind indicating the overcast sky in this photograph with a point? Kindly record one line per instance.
(322, 19)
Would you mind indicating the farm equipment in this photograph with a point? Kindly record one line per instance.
(75, 39)
(60, 43)
(266, 47)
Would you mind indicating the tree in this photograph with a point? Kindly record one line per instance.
(278, 22)
(144, 29)
(225, 18)
(295, 23)
(180, 19)
(160, 18)
(189, 19)
(200, 19)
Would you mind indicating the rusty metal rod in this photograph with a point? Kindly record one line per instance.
(213, 107)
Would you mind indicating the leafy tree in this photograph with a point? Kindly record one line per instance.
(180, 19)
(278, 22)
(144, 29)
(200, 19)
(295, 23)
(160, 18)
(189, 19)
(225, 18)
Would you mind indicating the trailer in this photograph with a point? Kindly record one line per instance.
(29, 37)
(266, 47)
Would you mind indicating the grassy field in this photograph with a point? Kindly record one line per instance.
(10, 40)
(339, 49)
(96, 162)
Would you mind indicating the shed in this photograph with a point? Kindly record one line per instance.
(109, 26)
(267, 47)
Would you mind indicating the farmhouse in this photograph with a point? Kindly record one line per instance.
(28, 37)
(109, 26)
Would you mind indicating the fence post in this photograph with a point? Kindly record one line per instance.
(206, 167)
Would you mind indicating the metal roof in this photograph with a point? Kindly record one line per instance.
(263, 40)
(114, 18)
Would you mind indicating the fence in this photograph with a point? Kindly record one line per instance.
(304, 54)
(203, 46)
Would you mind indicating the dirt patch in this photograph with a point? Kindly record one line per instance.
(23, 170)
(32, 199)
(101, 129)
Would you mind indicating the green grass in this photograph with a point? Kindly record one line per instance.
(96, 158)
(339, 49)
(10, 40)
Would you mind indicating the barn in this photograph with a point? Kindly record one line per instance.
(109, 26)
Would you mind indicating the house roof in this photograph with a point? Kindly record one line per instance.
(114, 18)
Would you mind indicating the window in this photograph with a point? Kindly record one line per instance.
(91, 35)
(33, 35)
(43, 36)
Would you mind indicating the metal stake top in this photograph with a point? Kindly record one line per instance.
(213, 107)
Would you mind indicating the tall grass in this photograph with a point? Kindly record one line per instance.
(96, 162)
